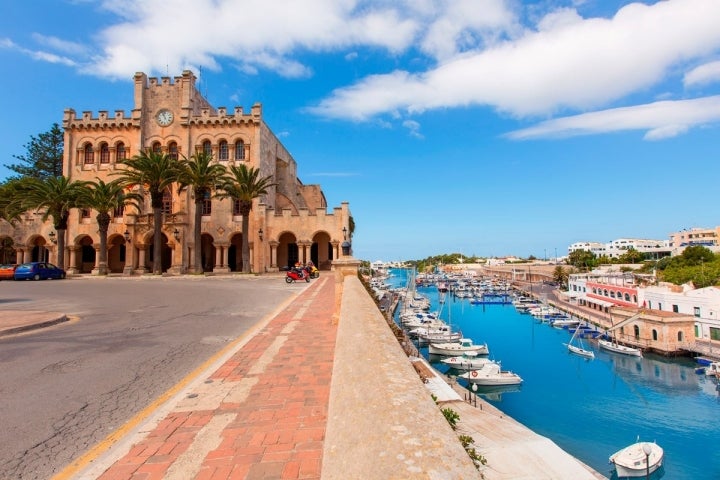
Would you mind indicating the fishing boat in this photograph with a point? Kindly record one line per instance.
(579, 349)
(637, 460)
(460, 347)
(491, 374)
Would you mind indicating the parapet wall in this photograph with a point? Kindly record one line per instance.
(382, 421)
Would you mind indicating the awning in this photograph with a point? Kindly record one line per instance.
(602, 303)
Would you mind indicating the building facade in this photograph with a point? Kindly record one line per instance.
(289, 224)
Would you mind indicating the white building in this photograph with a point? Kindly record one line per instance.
(701, 303)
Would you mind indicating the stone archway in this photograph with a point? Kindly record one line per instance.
(117, 253)
(321, 251)
(87, 255)
(165, 254)
(8, 254)
(235, 261)
(207, 249)
(288, 252)
(38, 250)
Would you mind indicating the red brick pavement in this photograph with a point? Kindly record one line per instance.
(275, 430)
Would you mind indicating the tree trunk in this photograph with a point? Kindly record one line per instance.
(60, 247)
(103, 220)
(157, 238)
(197, 235)
(245, 242)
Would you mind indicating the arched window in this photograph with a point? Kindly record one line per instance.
(167, 202)
(627, 297)
(120, 152)
(634, 298)
(654, 335)
(239, 150)
(88, 155)
(636, 331)
(223, 150)
(207, 204)
(156, 147)
(104, 153)
(207, 147)
(173, 150)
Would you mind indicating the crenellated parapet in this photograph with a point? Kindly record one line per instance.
(103, 120)
(224, 118)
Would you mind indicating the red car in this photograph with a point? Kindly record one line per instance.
(7, 271)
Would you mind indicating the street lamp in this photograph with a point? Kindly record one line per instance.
(176, 234)
(344, 233)
(52, 237)
(474, 389)
(647, 450)
(260, 234)
(127, 235)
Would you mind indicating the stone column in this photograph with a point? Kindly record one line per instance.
(129, 267)
(72, 263)
(99, 269)
(142, 249)
(20, 255)
(273, 256)
(221, 265)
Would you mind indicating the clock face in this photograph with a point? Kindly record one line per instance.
(164, 117)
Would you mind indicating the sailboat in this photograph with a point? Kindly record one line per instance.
(579, 350)
(613, 346)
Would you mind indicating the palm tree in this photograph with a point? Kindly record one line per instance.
(105, 198)
(200, 174)
(10, 209)
(54, 197)
(244, 185)
(155, 172)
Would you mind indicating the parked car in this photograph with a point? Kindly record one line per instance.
(38, 271)
(7, 271)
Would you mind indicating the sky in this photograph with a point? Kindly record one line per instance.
(481, 127)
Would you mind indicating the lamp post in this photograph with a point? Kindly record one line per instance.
(176, 234)
(52, 237)
(474, 389)
(647, 450)
(126, 235)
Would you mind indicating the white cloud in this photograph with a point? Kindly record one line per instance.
(571, 63)
(660, 119)
(413, 128)
(255, 32)
(702, 75)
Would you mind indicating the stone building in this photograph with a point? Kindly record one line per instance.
(291, 223)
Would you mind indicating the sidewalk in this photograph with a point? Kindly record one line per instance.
(18, 321)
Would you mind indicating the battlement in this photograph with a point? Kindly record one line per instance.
(103, 120)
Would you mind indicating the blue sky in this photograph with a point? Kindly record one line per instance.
(485, 127)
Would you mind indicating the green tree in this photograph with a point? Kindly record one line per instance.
(560, 276)
(104, 198)
(154, 172)
(632, 256)
(697, 254)
(54, 197)
(245, 185)
(581, 259)
(43, 158)
(10, 208)
(200, 174)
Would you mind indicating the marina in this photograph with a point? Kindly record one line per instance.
(589, 407)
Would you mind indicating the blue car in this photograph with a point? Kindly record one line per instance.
(38, 271)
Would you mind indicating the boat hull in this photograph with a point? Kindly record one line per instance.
(443, 349)
(613, 347)
(631, 461)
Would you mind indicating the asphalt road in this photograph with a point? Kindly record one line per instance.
(64, 388)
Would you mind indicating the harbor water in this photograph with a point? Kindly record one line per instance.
(591, 408)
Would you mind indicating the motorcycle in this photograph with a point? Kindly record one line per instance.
(296, 274)
(312, 271)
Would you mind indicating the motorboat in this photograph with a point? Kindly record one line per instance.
(460, 347)
(491, 374)
(637, 460)
(468, 361)
(617, 348)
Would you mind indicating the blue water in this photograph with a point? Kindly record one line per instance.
(592, 408)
